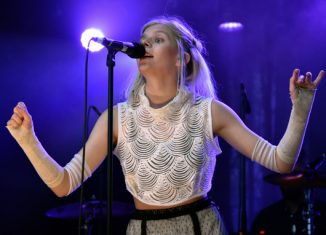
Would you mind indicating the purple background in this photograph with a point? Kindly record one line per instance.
(42, 64)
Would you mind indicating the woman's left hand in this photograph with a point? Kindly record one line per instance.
(305, 82)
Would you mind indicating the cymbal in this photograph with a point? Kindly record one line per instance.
(91, 208)
(299, 179)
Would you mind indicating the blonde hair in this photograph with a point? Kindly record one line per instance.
(194, 76)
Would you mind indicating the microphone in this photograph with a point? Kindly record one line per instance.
(132, 49)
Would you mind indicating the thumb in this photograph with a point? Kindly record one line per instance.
(22, 111)
(22, 106)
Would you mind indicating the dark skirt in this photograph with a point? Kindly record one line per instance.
(199, 217)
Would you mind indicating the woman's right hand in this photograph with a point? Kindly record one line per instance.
(20, 124)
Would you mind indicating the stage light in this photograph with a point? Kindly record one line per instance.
(87, 35)
(230, 26)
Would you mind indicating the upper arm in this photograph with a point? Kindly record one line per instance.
(227, 124)
(96, 145)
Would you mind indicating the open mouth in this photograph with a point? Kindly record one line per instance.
(147, 56)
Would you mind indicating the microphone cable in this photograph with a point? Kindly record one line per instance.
(87, 111)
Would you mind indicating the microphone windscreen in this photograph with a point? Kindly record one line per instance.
(137, 51)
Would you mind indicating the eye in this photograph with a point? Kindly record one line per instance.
(158, 40)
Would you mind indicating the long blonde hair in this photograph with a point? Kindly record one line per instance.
(194, 76)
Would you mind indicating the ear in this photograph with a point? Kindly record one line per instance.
(186, 58)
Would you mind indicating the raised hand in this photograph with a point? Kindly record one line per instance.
(20, 124)
(300, 81)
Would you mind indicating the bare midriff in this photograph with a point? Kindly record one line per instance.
(143, 206)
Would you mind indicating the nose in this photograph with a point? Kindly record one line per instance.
(147, 43)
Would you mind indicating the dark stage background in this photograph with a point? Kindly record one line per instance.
(42, 64)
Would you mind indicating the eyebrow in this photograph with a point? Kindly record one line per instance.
(159, 31)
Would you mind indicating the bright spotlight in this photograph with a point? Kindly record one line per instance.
(230, 26)
(87, 35)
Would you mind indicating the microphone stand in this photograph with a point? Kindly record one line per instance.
(114, 47)
(244, 109)
(110, 62)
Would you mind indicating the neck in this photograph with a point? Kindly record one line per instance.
(160, 93)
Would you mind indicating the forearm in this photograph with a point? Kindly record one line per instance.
(52, 174)
(281, 158)
(289, 147)
(61, 180)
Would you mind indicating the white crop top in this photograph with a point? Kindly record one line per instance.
(167, 154)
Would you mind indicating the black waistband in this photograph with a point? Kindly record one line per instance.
(174, 211)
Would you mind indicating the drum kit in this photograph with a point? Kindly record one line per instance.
(306, 180)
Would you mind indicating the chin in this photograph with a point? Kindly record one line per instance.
(144, 69)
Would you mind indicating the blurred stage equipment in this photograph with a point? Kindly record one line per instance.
(298, 179)
(306, 180)
(92, 210)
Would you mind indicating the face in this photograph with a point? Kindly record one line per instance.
(161, 58)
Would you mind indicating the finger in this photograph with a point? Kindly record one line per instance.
(308, 77)
(21, 113)
(294, 79)
(295, 74)
(17, 119)
(319, 78)
(21, 105)
(21, 109)
(16, 111)
(12, 124)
